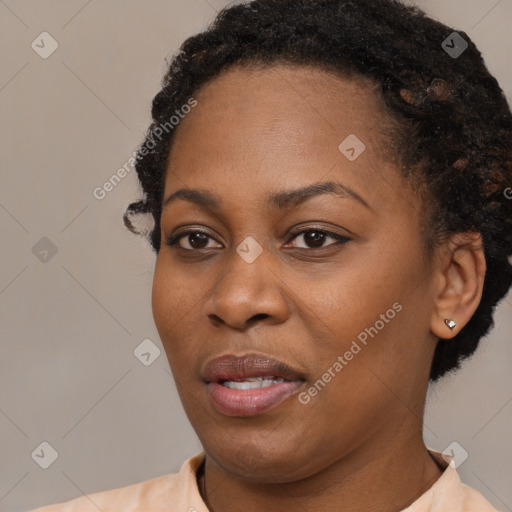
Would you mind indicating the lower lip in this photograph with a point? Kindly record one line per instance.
(249, 402)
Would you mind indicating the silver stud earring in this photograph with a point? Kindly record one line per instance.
(450, 323)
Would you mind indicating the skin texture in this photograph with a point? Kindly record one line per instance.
(257, 131)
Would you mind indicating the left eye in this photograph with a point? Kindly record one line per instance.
(316, 237)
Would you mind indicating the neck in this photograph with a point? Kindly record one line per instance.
(396, 475)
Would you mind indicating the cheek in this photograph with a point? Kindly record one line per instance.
(341, 307)
(161, 297)
(172, 301)
(177, 297)
(370, 314)
(173, 295)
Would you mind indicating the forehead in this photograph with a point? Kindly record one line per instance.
(300, 100)
(260, 127)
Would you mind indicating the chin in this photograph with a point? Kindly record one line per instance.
(265, 462)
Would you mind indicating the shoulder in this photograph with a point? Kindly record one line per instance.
(450, 494)
(123, 498)
(153, 495)
(473, 501)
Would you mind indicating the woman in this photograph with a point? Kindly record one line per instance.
(327, 181)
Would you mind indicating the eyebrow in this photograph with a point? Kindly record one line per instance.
(280, 200)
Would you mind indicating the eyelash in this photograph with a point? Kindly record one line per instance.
(340, 239)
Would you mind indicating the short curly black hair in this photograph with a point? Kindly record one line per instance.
(454, 125)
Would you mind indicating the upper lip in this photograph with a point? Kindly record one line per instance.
(232, 367)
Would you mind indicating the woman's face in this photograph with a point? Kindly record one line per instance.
(348, 316)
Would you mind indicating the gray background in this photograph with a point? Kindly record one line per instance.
(69, 325)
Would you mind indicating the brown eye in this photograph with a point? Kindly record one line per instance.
(196, 239)
(315, 238)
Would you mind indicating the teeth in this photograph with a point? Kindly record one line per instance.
(253, 382)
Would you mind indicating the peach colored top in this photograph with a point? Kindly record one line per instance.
(179, 493)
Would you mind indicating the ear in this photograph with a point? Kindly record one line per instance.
(460, 280)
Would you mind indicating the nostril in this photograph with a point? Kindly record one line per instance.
(259, 316)
(216, 320)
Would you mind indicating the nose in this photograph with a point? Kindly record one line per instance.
(247, 293)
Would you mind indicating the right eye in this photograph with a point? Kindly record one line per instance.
(195, 238)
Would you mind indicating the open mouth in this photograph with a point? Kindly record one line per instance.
(252, 382)
(249, 384)
(251, 396)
